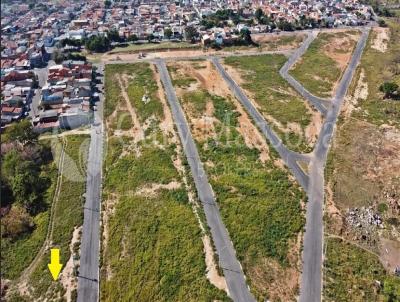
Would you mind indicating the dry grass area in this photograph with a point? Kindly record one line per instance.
(208, 79)
(204, 95)
(340, 47)
(363, 173)
(291, 117)
(381, 38)
(146, 182)
(321, 67)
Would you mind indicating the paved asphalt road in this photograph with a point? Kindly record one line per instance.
(287, 156)
(88, 279)
(311, 280)
(235, 279)
(320, 104)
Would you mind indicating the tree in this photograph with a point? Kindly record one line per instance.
(285, 25)
(390, 89)
(150, 37)
(57, 56)
(133, 38)
(245, 35)
(16, 222)
(259, 14)
(21, 132)
(168, 33)
(113, 35)
(191, 33)
(107, 3)
(98, 44)
(382, 23)
(391, 289)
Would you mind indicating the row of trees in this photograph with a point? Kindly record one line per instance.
(222, 18)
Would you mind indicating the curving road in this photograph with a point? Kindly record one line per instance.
(311, 280)
(322, 105)
(235, 279)
(289, 157)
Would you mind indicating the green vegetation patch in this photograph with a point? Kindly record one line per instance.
(158, 255)
(28, 180)
(67, 214)
(259, 205)
(154, 47)
(123, 120)
(274, 95)
(379, 68)
(316, 70)
(351, 274)
(179, 80)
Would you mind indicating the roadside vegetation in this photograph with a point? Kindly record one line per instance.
(260, 205)
(152, 248)
(134, 48)
(286, 111)
(321, 67)
(67, 214)
(362, 172)
(28, 176)
(352, 274)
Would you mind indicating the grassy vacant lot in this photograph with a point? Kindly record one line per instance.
(154, 47)
(18, 254)
(278, 102)
(67, 215)
(362, 171)
(152, 249)
(270, 42)
(322, 65)
(380, 67)
(259, 205)
(351, 274)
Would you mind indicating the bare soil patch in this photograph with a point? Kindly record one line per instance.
(278, 42)
(212, 271)
(360, 94)
(209, 79)
(382, 37)
(137, 130)
(340, 49)
(167, 125)
(270, 278)
(151, 190)
(312, 131)
(390, 254)
(67, 278)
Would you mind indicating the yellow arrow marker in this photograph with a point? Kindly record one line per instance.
(55, 265)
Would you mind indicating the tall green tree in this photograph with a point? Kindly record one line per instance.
(21, 132)
(191, 33)
(168, 33)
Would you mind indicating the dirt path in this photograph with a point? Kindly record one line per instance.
(22, 282)
(67, 278)
(312, 130)
(65, 133)
(360, 94)
(167, 125)
(137, 130)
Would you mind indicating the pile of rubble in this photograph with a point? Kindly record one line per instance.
(364, 223)
(364, 218)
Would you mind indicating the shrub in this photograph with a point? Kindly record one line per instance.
(16, 222)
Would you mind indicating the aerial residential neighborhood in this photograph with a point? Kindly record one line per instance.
(225, 150)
